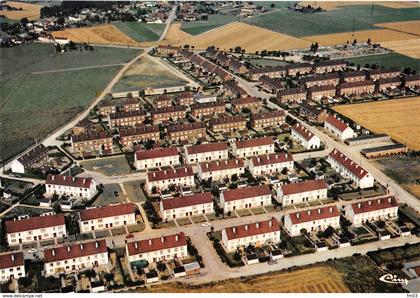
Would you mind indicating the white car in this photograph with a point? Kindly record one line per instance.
(205, 224)
(32, 251)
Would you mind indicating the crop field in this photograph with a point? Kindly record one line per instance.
(397, 118)
(409, 27)
(102, 34)
(410, 48)
(331, 5)
(317, 279)
(175, 34)
(27, 71)
(30, 11)
(332, 21)
(140, 31)
(377, 36)
(248, 37)
(392, 60)
(214, 21)
(147, 72)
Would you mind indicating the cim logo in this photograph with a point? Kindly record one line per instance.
(392, 279)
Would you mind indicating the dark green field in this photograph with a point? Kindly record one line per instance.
(392, 60)
(333, 21)
(32, 104)
(140, 31)
(214, 21)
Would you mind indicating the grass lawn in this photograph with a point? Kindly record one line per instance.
(136, 228)
(51, 98)
(102, 234)
(134, 191)
(111, 166)
(198, 219)
(212, 216)
(214, 21)
(141, 31)
(183, 221)
(108, 196)
(167, 225)
(392, 60)
(243, 212)
(118, 231)
(333, 21)
(258, 210)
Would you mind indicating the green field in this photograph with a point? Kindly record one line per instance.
(333, 21)
(214, 21)
(140, 31)
(392, 60)
(33, 104)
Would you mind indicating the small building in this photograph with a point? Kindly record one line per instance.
(245, 198)
(291, 95)
(167, 50)
(37, 155)
(208, 109)
(162, 179)
(384, 151)
(220, 169)
(329, 79)
(329, 66)
(317, 93)
(278, 71)
(169, 113)
(12, 266)
(206, 152)
(252, 103)
(353, 76)
(143, 133)
(228, 124)
(356, 87)
(253, 147)
(106, 107)
(388, 83)
(130, 105)
(156, 158)
(233, 88)
(202, 98)
(185, 98)
(186, 131)
(371, 210)
(382, 73)
(82, 127)
(302, 192)
(298, 69)
(126, 119)
(270, 163)
(162, 101)
(338, 128)
(92, 141)
(303, 136)
(191, 205)
(312, 113)
(271, 85)
(268, 119)
(257, 233)
(83, 187)
(412, 81)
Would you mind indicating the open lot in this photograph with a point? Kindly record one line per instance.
(393, 60)
(331, 5)
(102, 34)
(248, 37)
(410, 48)
(112, 194)
(331, 21)
(409, 27)
(376, 36)
(140, 31)
(397, 118)
(319, 279)
(134, 191)
(214, 21)
(175, 34)
(109, 166)
(30, 11)
(147, 72)
(72, 81)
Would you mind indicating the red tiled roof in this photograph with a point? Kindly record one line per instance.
(353, 74)
(185, 94)
(267, 69)
(156, 153)
(32, 223)
(163, 97)
(268, 115)
(348, 164)
(127, 114)
(374, 204)
(79, 182)
(314, 214)
(299, 65)
(389, 80)
(138, 130)
(322, 77)
(167, 110)
(264, 141)
(227, 119)
(356, 84)
(340, 125)
(180, 202)
(246, 192)
(33, 154)
(382, 71)
(10, 260)
(186, 126)
(156, 244)
(220, 165)
(290, 91)
(309, 185)
(246, 100)
(257, 228)
(303, 131)
(273, 158)
(170, 174)
(91, 136)
(321, 88)
(206, 105)
(73, 251)
(195, 149)
(107, 211)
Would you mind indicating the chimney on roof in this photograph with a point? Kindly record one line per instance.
(331, 209)
(81, 246)
(389, 200)
(246, 227)
(257, 225)
(309, 212)
(319, 210)
(176, 237)
(234, 230)
(370, 202)
(53, 252)
(162, 239)
(359, 205)
(186, 170)
(297, 215)
(68, 248)
(154, 174)
(270, 222)
(150, 241)
(136, 245)
(258, 159)
(52, 177)
(73, 179)
(13, 257)
(379, 201)
(84, 181)
(96, 244)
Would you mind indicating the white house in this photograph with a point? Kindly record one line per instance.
(306, 191)
(157, 249)
(155, 158)
(253, 147)
(205, 98)
(313, 220)
(371, 210)
(270, 163)
(304, 137)
(219, 169)
(75, 257)
(200, 203)
(70, 186)
(350, 169)
(12, 266)
(110, 216)
(258, 233)
(183, 176)
(206, 152)
(338, 128)
(35, 228)
(247, 197)
(37, 155)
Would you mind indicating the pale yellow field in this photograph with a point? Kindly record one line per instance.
(409, 27)
(312, 280)
(330, 5)
(103, 34)
(30, 11)
(250, 38)
(175, 34)
(381, 35)
(409, 48)
(398, 118)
